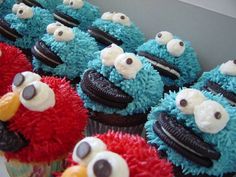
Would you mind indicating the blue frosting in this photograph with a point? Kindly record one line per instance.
(50, 5)
(86, 15)
(5, 7)
(224, 141)
(131, 36)
(187, 63)
(75, 54)
(146, 89)
(31, 29)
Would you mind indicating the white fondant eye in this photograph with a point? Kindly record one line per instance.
(211, 117)
(187, 99)
(37, 96)
(15, 7)
(24, 12)
(51, 28)
(76, 4)
(107, 15)
(66, 2)
(21, 80)
(64, 34)
(121, 18)
(109, 54)
(87, 149)
(128, 65)
(108, 164)
(164, 37)
(228, 68)
(176, 47)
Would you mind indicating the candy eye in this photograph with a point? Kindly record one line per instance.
(15, 7)
(187, 99)
(76, 4)
(66, 2)
(51, 28)
(128, 65)
(64, 34)
(24, 12)
(109, 54)
(21, 80)
(164, 37)
(211, 117)
(37, 96)
(86, 149)
(228, 68)
(176, 47)
(107, 15)
(108, 164)
(122, 19)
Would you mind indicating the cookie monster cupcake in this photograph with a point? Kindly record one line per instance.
(119, 89)
(41, 121)
(24, 26)
(12, 61)
(64, 52)
(76, 13)
(221, 80)
(196, 130)
(116, 28)
(173, 58)
(6, 6)
(116, 154)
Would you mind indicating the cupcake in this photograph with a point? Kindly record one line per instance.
(63, 51)
(115, 154)
(5, 7)
(41, 121)
(76, 13)
(173, 58)
(119, 89)
(221, 80)
(12, 61)
(196, 130)
(24, 26)
(116, 28)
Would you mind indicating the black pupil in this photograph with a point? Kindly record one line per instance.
(234, 61)
(218, 115)
(21, 11)
(83, 150)
(159, 35)
(60, 33)
(102, 168)
(122, 17)
(183, 103)
(18, 79)
(71, 3)
(129, 61)
(181, 43)
(29, 92)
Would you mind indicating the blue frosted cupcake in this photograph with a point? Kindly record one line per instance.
(119, 89)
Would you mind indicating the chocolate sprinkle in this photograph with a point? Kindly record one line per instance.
(102, 168)
(83, 150)
(29, 92)
(183, 103)
(18, 79)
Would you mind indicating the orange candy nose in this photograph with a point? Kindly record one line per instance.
(9, 104)
(75, 171)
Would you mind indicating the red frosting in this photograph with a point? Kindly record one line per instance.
(12, 61)
(54, 132)
(142, 159)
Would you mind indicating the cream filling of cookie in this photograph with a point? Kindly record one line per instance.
(64, 20)
(8, 32)
(172, 71)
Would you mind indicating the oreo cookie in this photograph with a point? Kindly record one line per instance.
(66, 19)
(100, 89)
(103, 37)
(184, 141)
(32, 3)
(8, 32)
(163, 67)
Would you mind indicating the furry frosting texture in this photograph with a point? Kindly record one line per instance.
(30, 28)
(146, 88)
(12, 61)
(186, 62)
(75, 54)
(85, 14)
(50, 5)
(223, 141)
(5, 7)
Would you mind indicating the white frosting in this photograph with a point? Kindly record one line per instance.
(29, 77)
(24, 12)
(121, 18)
(66, 2)
(51, 28)
(64, 33)
(228, 68)
(107, 16)
(96, 145)
(109, 54)
(15, 7)
(205, 119)
(174, 47)
(118, 164)
(76, 4)
(129, 71)
(192, 96)
(164, 37)
(43, 100)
